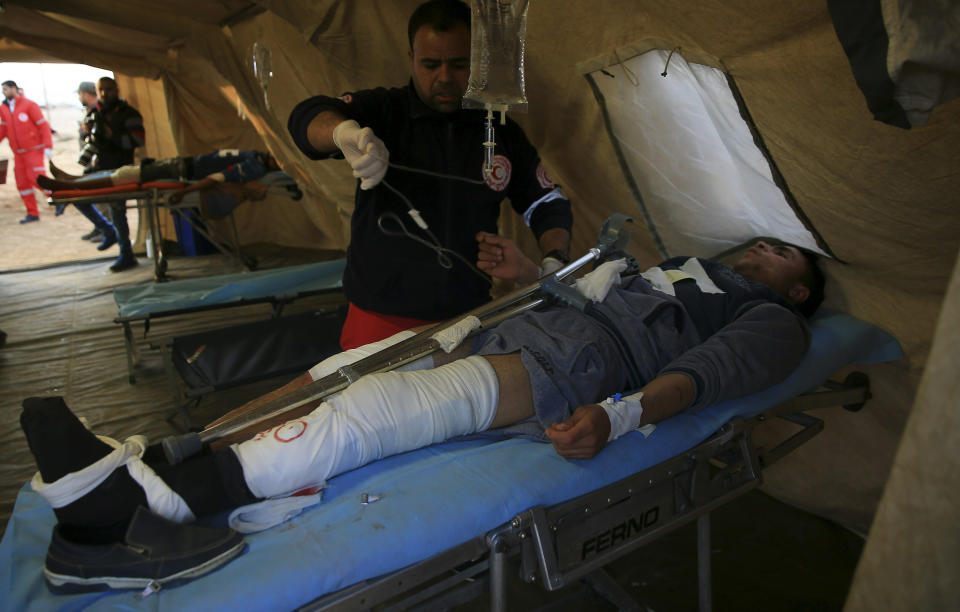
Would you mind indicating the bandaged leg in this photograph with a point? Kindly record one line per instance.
(125, 175)
(378, 416)
(335, 362)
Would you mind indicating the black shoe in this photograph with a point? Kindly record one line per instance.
(124, 262)
(58, 209)
(107, 242)
(29, 219)
(154, 550)
(94, 234)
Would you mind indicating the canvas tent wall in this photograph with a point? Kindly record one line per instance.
(882, 197)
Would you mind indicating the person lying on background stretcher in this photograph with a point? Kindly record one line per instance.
(223, 166)
(695, 333)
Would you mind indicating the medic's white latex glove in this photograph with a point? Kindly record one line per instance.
(366, 153)
(624, 413)
(48, 153)
(596, 285)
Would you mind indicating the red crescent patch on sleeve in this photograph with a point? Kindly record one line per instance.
(543, 179)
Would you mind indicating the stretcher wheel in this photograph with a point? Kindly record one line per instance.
(857, 380)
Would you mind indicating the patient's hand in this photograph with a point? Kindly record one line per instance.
(500, 257)
(176, 197)
(583, 435)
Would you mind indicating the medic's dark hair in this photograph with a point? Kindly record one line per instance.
(10, 84)
(439, 15)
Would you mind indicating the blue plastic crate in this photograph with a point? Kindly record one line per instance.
(190, 240)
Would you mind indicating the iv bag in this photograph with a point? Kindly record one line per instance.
(261, 68)
(498, 35)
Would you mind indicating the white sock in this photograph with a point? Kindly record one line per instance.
(377, 416)
(335, 362)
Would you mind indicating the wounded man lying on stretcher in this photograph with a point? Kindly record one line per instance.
(687, 334)
(223, 166)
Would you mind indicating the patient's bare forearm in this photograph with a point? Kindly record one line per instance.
(666, 396)
(320, 131)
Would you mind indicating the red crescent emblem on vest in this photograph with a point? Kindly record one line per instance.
(499, 177)
(23, 117)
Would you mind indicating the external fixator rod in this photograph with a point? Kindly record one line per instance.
(178, 448)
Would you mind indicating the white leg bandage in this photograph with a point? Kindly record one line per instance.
(377, 416)
(125, 175)
(160, 497)
(335, 362)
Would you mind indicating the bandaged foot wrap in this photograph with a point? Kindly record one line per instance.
(95, 484)
(335, 362)
(378, 416)
(94, 480)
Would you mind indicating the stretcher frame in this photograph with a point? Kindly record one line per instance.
(149, 199)
(333, 296)
(153, 196)
(601, 526)
(546, 539)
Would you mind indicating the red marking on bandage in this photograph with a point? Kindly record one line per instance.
(307, 491)
(346, 98)
(290, 431)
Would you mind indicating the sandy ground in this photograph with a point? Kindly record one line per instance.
(54, 239)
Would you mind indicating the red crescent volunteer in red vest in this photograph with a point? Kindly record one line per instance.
(23, 123)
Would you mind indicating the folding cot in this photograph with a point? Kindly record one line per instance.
(277, 287)
(229, 357)
(155, 195)
(398, 528)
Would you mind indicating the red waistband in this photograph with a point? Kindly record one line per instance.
(364, 326)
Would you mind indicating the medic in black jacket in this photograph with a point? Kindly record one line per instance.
(394, 279)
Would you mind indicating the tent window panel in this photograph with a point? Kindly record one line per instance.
(705, 186)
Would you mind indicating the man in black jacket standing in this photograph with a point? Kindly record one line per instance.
(115, 129)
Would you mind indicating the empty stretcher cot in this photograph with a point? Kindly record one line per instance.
(280, 286)
(395, 524)
(154, 195)
(242, 354)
